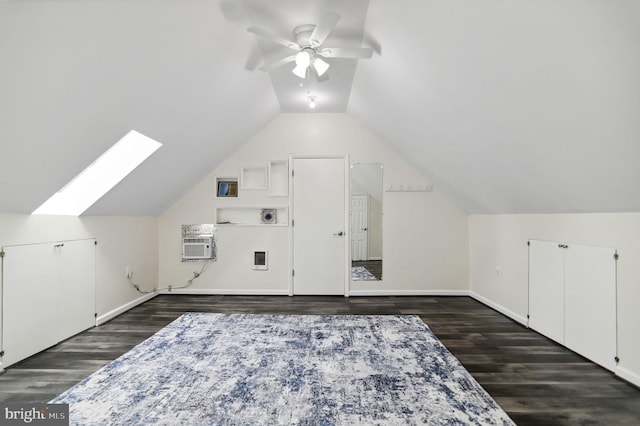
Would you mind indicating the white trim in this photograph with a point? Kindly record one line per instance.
(628, 375)
(375, 258)
(504, 311)
(124, 308)
(347, 226)
(224, 291)
(409, 293)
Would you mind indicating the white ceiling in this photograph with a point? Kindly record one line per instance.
(512, 106)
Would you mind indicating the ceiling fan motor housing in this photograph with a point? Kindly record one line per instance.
(302, 34)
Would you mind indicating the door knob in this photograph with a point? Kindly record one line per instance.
(339, 234)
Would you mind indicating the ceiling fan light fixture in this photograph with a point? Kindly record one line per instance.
(303, 60)
(300, 71)
(320, 66)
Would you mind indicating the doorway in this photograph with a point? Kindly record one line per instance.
(319, 225)
(359, 224)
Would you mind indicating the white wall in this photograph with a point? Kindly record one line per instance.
(122, 242)
(500, 241)
(425, 235)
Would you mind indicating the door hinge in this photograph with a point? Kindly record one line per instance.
(292, 222)
(1, 353)
(293, 273)
(528, 243)
(291, 172)
(616, 256)
(616, 359)
(95, 315)
(95, 243)
(1, 253)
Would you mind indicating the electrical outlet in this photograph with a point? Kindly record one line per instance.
(129, 272)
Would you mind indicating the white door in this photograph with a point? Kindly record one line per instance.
(359, 225)
(546, 289)
(590, 303)
(319, 225)
(29, 301)
(48, 295)
(76, 290)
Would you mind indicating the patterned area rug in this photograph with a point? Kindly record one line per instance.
(285, 369)
(360, 273)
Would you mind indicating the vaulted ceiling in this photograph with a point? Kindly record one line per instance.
(515, 106)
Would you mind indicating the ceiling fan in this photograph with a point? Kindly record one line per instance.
(308, 45)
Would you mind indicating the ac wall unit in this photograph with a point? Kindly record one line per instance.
(197, 247)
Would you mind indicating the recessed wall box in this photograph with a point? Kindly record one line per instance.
(261, 260)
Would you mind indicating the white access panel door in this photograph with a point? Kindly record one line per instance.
(48, 295)
(319, 225)
(590, 303)
(546, 289)
(359, 227)
(76, 290)
(29, 301)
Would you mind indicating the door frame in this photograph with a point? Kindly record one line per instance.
(347, 225)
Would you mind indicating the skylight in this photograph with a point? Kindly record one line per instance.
(102, 175)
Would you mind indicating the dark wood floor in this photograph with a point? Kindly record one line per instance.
(536, 381)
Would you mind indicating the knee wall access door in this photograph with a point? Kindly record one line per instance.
(48, 295)
(572, 297)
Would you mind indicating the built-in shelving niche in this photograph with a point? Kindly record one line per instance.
(278, 173)
(250, 216)
(226, 187)
(254, 178)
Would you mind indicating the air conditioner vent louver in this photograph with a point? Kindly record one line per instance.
(196, 240)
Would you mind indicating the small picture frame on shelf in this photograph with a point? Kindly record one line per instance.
(227, 188)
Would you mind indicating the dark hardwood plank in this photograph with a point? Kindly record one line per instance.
(535, 380)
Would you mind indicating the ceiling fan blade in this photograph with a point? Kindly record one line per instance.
(327, 23)
(273, 37)
(347, 52)
(279, 63)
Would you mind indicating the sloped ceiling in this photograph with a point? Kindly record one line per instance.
(510, 106)
(76, 75)
(513, 106)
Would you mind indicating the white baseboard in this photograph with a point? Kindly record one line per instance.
(124, 308)
(504, 311)
(222, 291)
(408, 293)
(629, 376)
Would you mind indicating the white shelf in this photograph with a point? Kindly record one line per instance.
(250, 216)
(279, 178)
(253, 178)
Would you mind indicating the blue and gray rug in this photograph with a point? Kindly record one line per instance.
(360, 273)
(205, 369)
